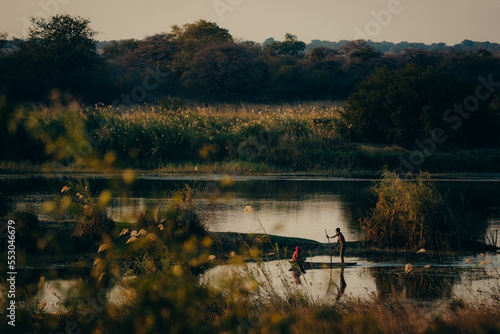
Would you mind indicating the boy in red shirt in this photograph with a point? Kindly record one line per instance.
(296, 258)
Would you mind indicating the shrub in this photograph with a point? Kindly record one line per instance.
(178, 219)
(94, 221)
(403, 104)
(412, 214)
(94, 224)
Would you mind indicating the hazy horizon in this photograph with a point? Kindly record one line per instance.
(424, 21)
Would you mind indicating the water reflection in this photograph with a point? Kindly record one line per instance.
(297, 207)
(53, 294)
(336, 285)
(368, 279)
(342, 285)
(454, 279)
(296, 273)
(416, 285)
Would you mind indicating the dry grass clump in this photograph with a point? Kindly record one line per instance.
(178, 219)
(411, 213)
(93, 222)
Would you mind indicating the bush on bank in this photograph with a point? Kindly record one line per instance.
(411, 214)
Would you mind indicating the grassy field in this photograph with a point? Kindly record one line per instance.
(241, 139)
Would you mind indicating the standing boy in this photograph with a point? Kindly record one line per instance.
(341, 241)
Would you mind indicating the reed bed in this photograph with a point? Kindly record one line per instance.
(248, 138)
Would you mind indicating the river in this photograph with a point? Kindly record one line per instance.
(297, 206)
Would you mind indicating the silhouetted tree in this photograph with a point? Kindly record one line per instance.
(323, 74)
(3, 40)
(61, 53)
(60, 47)
(224, 69)
(192, 37)
(117, 49)
(358, 52)
(201, 60)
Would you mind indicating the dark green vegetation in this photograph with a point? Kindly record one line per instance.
(431, 110)
(204, 62)
(196, 61)
(418, 103)
(412, 214)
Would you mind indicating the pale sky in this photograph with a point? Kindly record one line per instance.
(427, 21)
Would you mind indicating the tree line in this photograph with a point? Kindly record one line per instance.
(391, 97)
(202, 61)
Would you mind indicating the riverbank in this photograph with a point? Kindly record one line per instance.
(270, 243)
(240, 168)
(234, 168)
(61, 250)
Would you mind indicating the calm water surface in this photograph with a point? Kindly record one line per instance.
(297, 207)
(288, 206)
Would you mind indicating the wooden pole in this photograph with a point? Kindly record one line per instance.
(330, 245)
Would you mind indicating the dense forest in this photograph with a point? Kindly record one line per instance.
(412, 97)
(204, 62)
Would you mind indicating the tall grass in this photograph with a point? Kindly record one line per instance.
(300, 137)
(412, 214)
(149, 136)
(281, 136)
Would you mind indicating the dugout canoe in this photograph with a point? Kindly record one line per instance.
(325, 265)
